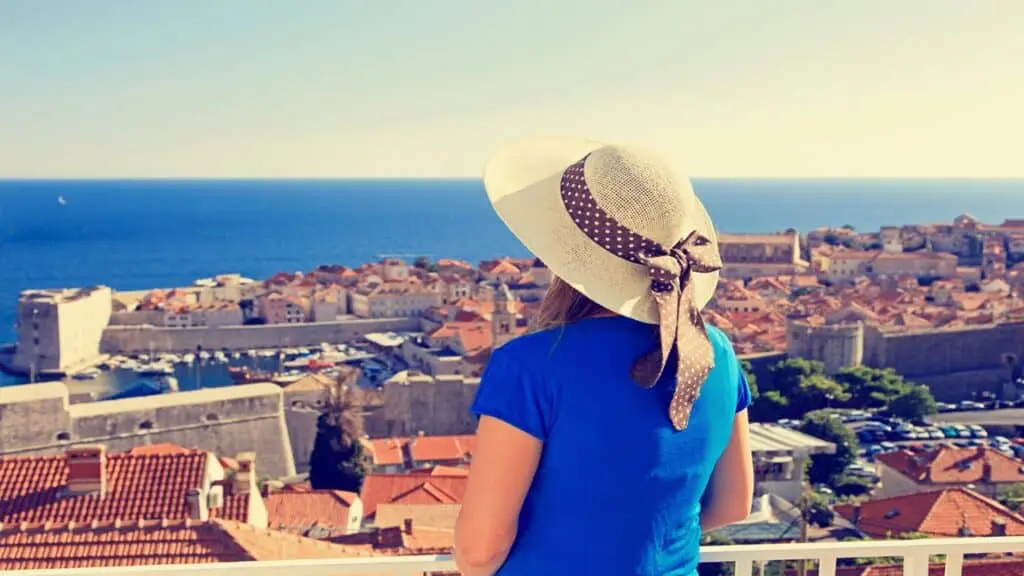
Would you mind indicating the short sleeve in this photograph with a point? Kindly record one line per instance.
(743, 398)
(511, 393)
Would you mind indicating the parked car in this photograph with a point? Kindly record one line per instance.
(977, 431)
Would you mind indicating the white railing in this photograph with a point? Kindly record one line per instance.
(914, 553)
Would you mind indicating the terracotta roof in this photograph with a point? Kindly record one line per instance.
(941, 513)
(441, 448)
(299, 511)
(411, 489)
(949, 465)
(387, 451)
(56, 546)
(442, 471)
(397, 541)
(150, 483)
(437, 516)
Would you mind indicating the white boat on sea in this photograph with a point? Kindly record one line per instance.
(204, 355)
(288, 377)
(236, 355)
(188, 358)
(220, 356)
(155, 369)
(88, 374)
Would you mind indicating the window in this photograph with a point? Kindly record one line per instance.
(211, 417)
(146, 425)
(63, 437)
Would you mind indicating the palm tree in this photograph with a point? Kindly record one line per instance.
(338, 461)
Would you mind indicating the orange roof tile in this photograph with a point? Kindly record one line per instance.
(387, 451)
(441, 448)
(437, 516)
(940, 513)
(139, 486)
(411, 489)
(300, 511)
(949, 465)
(109, 544)
(395, 540)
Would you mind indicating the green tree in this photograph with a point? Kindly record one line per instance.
(748, 371)
(421, 262)
(339, 461)
(786, 374)
(816, 392)
(916, 402)
(804, 387)
(770, 407)
(871, 387)
(1013, 497)
(829, 468)
(848, 227)
(815, 509)
(851, 486)
(831, 238)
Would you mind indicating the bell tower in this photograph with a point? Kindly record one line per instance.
(503, 319)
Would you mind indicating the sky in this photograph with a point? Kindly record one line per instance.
(430, 88)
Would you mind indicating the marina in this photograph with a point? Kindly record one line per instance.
(146, 374)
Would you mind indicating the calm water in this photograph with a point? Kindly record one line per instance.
(142, 234)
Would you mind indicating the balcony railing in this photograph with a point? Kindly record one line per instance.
(915, 555)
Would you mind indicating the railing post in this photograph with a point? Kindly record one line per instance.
(954, 563)
(744, 567)
(916, 564)
(827, 565)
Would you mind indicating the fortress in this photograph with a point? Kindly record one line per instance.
(415, 402)
(953, 363)
(135, 339)
(40, 419)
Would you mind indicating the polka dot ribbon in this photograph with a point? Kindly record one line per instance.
(681, 329)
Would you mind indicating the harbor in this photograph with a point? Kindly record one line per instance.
(145, 374)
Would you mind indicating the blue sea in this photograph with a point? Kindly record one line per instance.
(133, 234)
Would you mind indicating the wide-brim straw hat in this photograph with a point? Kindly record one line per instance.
(635, 186)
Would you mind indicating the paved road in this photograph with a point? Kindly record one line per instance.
(1006, 417)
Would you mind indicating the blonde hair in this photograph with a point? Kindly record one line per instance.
(562, 305)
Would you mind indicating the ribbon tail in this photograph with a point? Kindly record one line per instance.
(650, 366)
(695, 361)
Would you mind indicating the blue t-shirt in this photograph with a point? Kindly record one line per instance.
(617, 490)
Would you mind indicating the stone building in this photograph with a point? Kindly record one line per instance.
(415, 402)
(39, 419)
(749, 256)
(60, 330)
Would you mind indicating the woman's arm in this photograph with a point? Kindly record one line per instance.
(731, 490)
(504, 461)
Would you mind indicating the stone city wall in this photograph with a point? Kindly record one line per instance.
(140, 339)
(954, 363)
(242, 419)
(421, 403)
